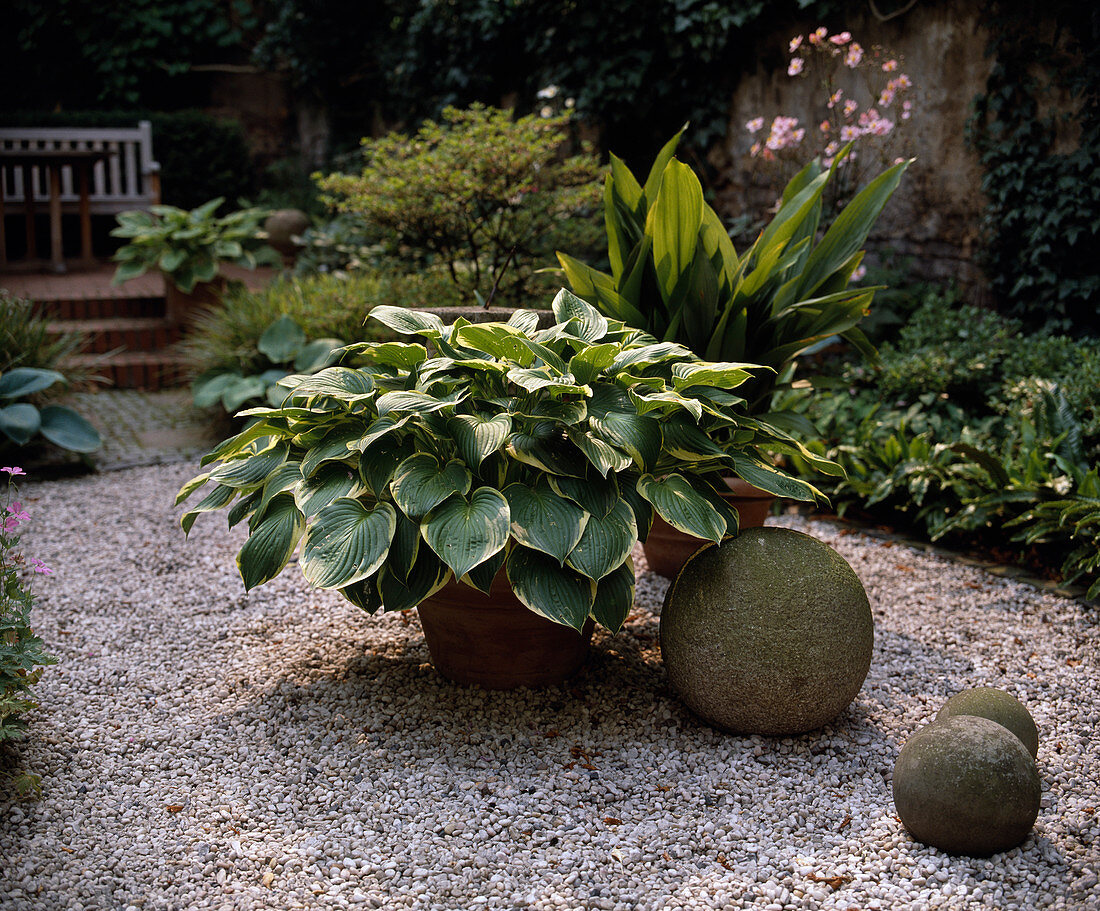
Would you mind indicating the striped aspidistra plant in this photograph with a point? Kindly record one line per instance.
(494, 446)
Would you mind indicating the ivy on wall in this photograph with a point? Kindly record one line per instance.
(1037, 131)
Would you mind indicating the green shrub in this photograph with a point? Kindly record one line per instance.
(484, 196)
(25, 339)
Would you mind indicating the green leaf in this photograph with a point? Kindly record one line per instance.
(330, 482)
(408, 322)
(380, 460)
(660, 163)
(271, 543)
(591, 325)
(613, 415)
(26, 381)
(207, 390)
(605, 543)
(343, 383)
(548, 451)
(723, 374)
(347, 542)
(641, 507)
(614, 597)
(484, 574)
(214, 499)
(427, 576)
(282, 340)
(19, 422)
(526, 321)
(674, 222)
(465, 533)
(317, 354)
(364, 595)
(478, 435)
(679, 504)
(773, 481)
(421, 482)
(543, 520)
(498, 340)
(402, 355)
(335, 446)
(240, 391)
(286, 477)
(586, 365)
(593, 493)
(404, 547)
(603, 456)
(413, 402)
(686, 442)
(554, 592)
(251, 470)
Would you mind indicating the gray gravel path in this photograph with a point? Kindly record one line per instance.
(203, 748)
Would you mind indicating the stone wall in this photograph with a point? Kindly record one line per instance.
(935, 214)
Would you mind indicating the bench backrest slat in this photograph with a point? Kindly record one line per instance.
(128, 179)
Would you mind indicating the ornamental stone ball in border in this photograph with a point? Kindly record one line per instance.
(769, 633)
(967, 785)
(996, 705)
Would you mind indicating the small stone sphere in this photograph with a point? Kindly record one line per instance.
(768, 633)
(999, 706)
(282, 225)
(966, 785)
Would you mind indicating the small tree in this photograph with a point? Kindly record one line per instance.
(483, 195)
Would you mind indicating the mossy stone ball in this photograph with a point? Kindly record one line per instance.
(999, 706)
(282, 226)
(768, 633)
(967, 785)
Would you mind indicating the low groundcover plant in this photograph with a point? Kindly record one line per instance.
(22, 654)
(545, 452)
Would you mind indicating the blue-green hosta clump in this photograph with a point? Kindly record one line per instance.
(22, 421)
(545, 453)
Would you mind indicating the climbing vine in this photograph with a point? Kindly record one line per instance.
(1036, 129)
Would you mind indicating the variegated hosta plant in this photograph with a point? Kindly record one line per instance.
(494, 446)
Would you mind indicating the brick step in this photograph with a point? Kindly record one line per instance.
(135, 369)
(133, 334)
(101, 308)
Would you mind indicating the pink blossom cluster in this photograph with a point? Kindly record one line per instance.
(11, 516)
(845, 121)
(785, 133)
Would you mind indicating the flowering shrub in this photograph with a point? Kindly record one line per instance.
(21, 652)
(872, 112)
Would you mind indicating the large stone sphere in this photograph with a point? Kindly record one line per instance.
(966, 785)
(999, 706)
(282, 226)
(768, 633)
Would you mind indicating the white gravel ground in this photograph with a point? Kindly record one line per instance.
(200, 748)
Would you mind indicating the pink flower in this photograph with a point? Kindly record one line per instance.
(886, 97)
(850, 107)
(889, 66)
(824, 126)
(834, 98)
(819, 35)
(14, 472)
(39, 567)
(755, 125)
(848, 133)
(755, 150)
(796, 43)
(796, 66)
(842, 38)
(784, 133)
(906, 110)
(854, 55)
(859, 272)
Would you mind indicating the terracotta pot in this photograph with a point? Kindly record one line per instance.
(667, 548)
(180, 305)
(496, 642)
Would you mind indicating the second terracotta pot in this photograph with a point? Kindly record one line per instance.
(495, 641)
(667, 548)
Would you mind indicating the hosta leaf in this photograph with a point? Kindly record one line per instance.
(612, 414)
(421, 482)
(347, 542)
(724, 375)
(549, 451)
(646, 355)
(20, 422)
(286, 477)
(22, 381)
(65, 428)
(378, 463)
(404, 547)
(214, 499)
(465, 533)
(641, 507)
(536, 379)
(395, 354)
(409, 322)
(335, 446)
(411, 401)
(555, 592)
(499, 340)
(605, 543)
(330, 482)
(772, 481)
(343, 383)
(272, 542)
(481, 576)
(240, 391)
(686, 442)
(282, 340)
(427, 576)
(591, 325)
(593, 493)
(603, 456)
(251, 470)
(364, 594)
(526, 321)
(317, 354)
(244, 508)
(587, 364)
(679, 504)
(543, 520)
(614, 597)
(478, 435)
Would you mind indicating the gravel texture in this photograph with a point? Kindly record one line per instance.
(203, 748)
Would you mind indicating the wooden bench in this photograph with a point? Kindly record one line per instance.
(87, 171)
